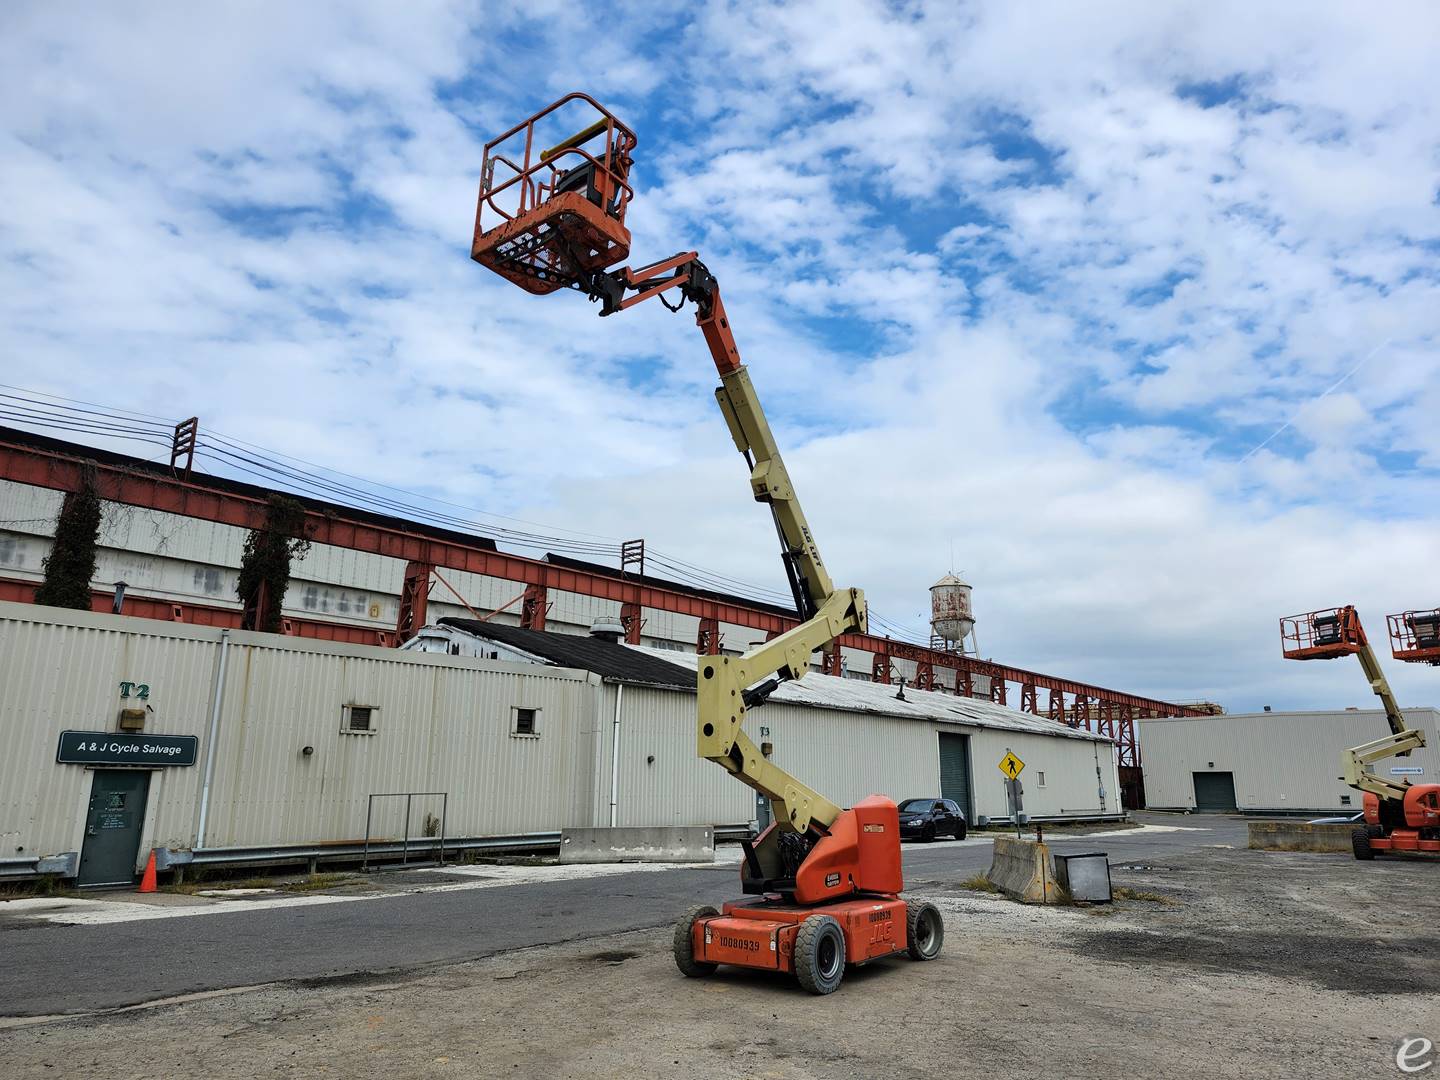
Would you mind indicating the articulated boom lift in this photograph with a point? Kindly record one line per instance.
(1399, 815)
(826, 880)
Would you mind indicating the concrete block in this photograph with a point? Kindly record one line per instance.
(1024, 870)
(1300, 836)
(658, 843)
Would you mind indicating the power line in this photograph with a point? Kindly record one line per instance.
(228, 454)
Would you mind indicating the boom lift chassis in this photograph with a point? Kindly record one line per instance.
(824, 881)
(1399, 815)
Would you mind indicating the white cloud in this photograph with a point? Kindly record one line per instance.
(946, 236)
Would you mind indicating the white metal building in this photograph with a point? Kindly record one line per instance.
(1270, 762)
(291, 737)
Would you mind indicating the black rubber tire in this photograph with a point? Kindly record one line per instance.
(927, 834)
(1360, 842)
(961, 830)
(924, 931)
(684, 944)
(820, 954)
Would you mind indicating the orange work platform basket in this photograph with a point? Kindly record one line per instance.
(1322, 635)
(552, 218)
(1415, 636)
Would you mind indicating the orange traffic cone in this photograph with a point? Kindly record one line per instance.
(147, 879)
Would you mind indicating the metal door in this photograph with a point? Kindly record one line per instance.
(112, 827)
(955, 771)
(1214, 792)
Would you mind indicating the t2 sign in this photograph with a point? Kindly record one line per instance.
(116, 748)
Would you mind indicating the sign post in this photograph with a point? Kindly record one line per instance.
(1010, 766)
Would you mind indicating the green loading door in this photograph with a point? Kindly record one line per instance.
(955, 771)
(1214, 792)
(112, 827)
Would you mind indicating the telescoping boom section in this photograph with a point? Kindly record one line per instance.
(555, 219)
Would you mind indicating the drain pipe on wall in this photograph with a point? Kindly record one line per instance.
(615, 758)
(210, 741)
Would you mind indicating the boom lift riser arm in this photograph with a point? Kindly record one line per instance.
(829, 878)
(1399, 815)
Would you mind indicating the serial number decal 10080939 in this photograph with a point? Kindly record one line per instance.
(728, 942)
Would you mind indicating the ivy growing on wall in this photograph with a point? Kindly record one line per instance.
(71, 563)
(265, 564)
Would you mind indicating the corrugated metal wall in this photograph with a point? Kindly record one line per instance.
(846, 756)
(1280, 761)
(442, 724)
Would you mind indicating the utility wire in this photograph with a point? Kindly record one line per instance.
(75, 416)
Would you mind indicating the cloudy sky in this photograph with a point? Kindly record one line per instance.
(1127, 310)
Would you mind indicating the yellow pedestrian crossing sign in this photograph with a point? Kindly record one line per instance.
(1011, 765)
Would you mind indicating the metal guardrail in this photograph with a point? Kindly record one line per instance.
(352, 851)
(66, 864)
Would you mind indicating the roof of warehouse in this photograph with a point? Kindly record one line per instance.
(859, 695)
(604, 658)
(676, 670)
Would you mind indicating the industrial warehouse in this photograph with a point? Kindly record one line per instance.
(293, 738)
(1270, 762)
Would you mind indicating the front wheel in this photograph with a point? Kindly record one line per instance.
(924, 931)
(960, 831)
(1360, 843)
(684, 944)
(927, 834)
(820, 954)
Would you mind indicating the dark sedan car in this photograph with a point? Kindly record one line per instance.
(925, 819)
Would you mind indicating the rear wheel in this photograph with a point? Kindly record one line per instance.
(924, 931)
(685, 944)
(1360, 842)
(820, 954)
(1375, 831)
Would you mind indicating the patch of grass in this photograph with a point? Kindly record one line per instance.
(980, 883)
(44, 886)
(316, 882)
(1124, 892)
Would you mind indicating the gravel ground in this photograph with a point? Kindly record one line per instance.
(1259, 964)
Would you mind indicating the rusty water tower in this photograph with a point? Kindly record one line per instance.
(952, 618)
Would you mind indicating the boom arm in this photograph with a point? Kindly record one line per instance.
(1336, 632)
(729, 686)
(1401, 740)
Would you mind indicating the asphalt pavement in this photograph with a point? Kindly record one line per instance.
(51, 969)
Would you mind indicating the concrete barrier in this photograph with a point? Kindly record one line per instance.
(1024, 870)
(1299, 836)
(660, 843)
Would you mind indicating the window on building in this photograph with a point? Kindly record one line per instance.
(1344, 800)
(1039, 779)
(12, 551)
(359, 719)
(207, 580)
(525, 721)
